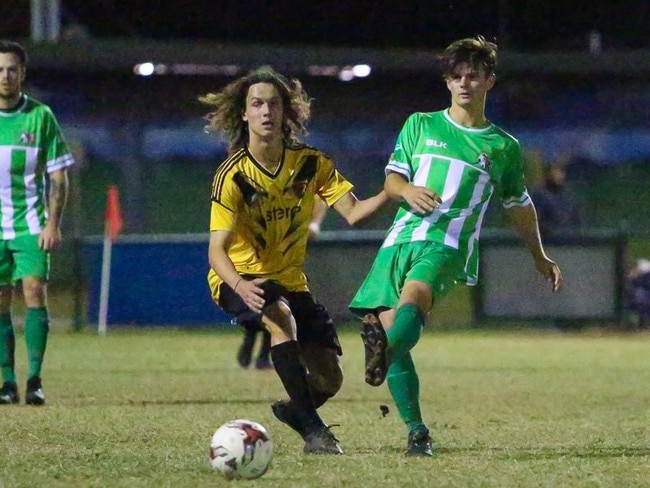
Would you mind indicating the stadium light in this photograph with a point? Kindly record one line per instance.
(361, 70)
(346, 74)
(144, 69)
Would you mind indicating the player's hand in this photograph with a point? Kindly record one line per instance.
(422, 200)
(251, 293)
(50, 237)
(551, 272)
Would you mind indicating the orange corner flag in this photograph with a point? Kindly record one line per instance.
(113, 215)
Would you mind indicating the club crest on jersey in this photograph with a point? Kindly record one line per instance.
(483, 162)
(27, 138)
(298, 182)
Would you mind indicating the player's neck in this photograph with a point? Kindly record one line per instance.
(468, 116)
(267, 154)
(9, 104)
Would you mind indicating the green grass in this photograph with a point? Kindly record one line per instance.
(507, 409)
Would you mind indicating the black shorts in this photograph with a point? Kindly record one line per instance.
(313, 321)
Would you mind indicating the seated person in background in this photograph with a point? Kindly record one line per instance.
(557, 210)
(639, 286)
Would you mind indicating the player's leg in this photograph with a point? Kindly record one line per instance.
(430, 268)
(319, 345)
(32, 267)
(288, 364)
(285, 352)
(404, 386)
(320, 350)
(37, 326)
(9, 389)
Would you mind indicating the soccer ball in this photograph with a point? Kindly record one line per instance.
(241, 449)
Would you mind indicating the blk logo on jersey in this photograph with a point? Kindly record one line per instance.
(27, 138)
(483, 162)
(438, 144)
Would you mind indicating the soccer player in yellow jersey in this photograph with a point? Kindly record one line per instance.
(263, 196)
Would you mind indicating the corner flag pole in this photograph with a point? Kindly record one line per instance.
(112, 229)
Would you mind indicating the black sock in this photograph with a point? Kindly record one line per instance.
(319, 398)
(292, 373)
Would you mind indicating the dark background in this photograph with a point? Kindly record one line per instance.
(525, 25)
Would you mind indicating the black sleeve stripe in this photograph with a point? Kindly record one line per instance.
(222, 172)
(221, 204)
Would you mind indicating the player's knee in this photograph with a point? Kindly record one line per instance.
(34, 292)
(280, 321)
(325, 373)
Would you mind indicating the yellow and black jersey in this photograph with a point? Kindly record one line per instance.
(269, 212)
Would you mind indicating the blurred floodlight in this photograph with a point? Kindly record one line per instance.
(361, 70)
(329, 70)
(205, 69)
(346, 74)
(148, 69)
(144, 69)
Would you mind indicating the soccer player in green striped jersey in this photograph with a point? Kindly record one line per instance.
(444, 170)
(34, 160)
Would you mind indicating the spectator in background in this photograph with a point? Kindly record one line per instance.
(639, 288)
(556, 207)
(253, 328)
(263, 197)
(34, 160)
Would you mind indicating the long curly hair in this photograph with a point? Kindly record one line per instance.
(229, 105)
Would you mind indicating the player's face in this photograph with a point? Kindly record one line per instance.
(468, 87)
(264, 111)
(12, 75)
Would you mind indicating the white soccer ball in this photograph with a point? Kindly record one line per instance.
(241, 449)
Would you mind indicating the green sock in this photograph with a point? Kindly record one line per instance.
(7, 347)
(404, 387)
(37, 326)
(405, 332)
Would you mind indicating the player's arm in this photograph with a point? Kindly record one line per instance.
(524, 221)
(317, 216)
(354, 210)
(420, 198)
(220, 262)
(50, 237)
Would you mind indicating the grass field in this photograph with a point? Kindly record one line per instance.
(507, 409)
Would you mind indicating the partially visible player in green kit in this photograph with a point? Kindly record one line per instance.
(445, 167)
(34, 160)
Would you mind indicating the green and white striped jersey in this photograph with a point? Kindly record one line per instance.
(31, 145)
(465, 167)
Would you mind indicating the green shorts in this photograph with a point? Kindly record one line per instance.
(22, 257)
(432, 263)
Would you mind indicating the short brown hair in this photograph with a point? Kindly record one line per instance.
(14, 48)
(475, 51)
